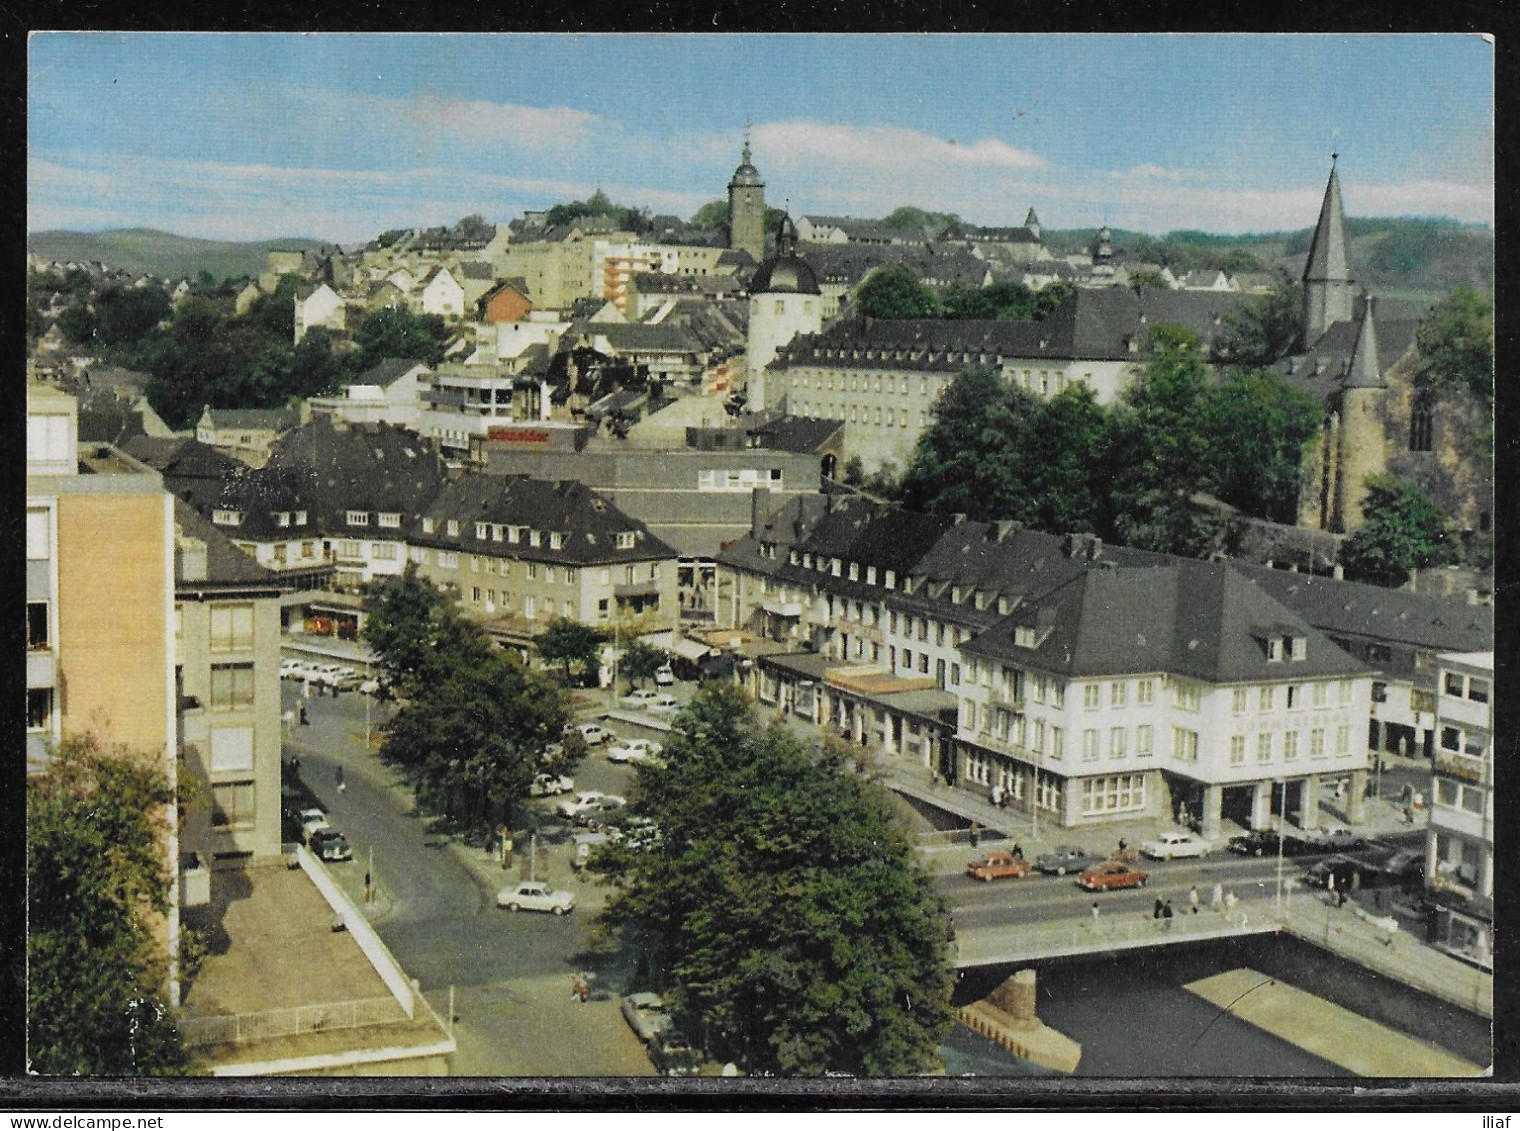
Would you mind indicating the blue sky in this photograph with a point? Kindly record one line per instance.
(334, 136)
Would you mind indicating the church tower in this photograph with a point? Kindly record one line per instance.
(784, 301)
(1362, 439)
(746, 207)
(1328, 294)
(1032, 222)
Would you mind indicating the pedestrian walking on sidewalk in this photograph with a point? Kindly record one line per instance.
(1018, 852)
(995, 795)
(1095, 914)
(1218, 902)
(1156, 914)
(341, 787)
(975, 834)
(1167, 913)
(305, 722)
(1193, 899)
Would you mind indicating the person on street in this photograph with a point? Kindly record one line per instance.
(1095, 914)
(341, 787)
(995, 795)
(1167, 913)
(305, 722)
(1193, 899)
(1160, 904)
(1018, 852)
(1218, 901)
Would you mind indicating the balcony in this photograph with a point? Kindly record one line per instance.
(637, 589)
(1461, 766)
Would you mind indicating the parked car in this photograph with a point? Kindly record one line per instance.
(346, 679)
(1112, 874)
(665, 703)
(673, 1054)
(331, 845)
(642, 697)
(311, 821)
(299, 669)
(326, 674)
(1175, 845)
(664, 676)
(997, 866)
(1257, 842)
(586, 801)
(1344, 871)
(645, 1014)
(289, 668)
(1336, 839)
(1067, 858)
(634, 750)
(594, 734)
(593, 816)
(535, 895)
(370, 686)
(551, 785)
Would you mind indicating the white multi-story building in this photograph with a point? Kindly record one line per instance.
(1459, 857)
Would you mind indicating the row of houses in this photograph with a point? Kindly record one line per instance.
(1088, 682)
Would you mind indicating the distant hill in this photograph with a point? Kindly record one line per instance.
(1414, 257)
(163, 254)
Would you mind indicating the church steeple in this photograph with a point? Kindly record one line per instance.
(1363, 371)
(1328, 293)
(746, 206)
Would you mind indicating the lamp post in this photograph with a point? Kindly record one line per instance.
(1282, 821)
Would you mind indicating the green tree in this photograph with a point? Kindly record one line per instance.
(1401, 530)
(78, 324)
(894, 291)
(1061, 462)
(125, 314)
(1159, 451)
(397, 333)
(783, 904)
(571, 644)
(711, 216)
(416, 630)
(98, 889)
(1258, 428)
(1003, 300)
(1456, 344)
(967, 460)
(1265, 331)
(639, 661)
(910, 217)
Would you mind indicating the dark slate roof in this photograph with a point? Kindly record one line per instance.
(1325, 367)
(387, 372)
(1327, 258)
(1202, 620)
(797, 434)
(588, 521)
(255, 418)
(976, 234)
(640, 337)
(1350, 608)
(225, 563)
(108, 419)
(937, 265)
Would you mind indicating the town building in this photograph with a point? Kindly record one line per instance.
(784, 302)
(746, 207)
(1459, 852)
(246, 434)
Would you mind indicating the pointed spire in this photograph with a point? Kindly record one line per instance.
(746, 141)
(1363, 371)
(1327, 260)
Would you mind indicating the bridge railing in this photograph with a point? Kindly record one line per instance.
(1107, 932)
(235, 1028)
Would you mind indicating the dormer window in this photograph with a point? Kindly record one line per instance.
(498, 532)
(625, 540)
(390, 519)
(227, 518)
(300, 518)
(1004, 606)
(1023, 635)
(282, 518)
(980, 601)
(535, 537)
(514, 535)
(870, 575)
(427, 525)
(556, 540)
(794, 558)
(807, 561)
(358, 518)
(1298, 648)
(453, 527)
(854, 571)
(835, 566)
(482, 530)
(955, 594)
(1274, 650)
(891, 579)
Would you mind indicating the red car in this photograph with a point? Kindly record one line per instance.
(1112, 874)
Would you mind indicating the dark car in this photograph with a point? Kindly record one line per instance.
(1257, 842)
(331, 845)
(1066, 858)
(673, 1054)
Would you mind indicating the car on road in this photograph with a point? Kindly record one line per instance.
(326, 674)
(551, 785)
(1066, 858)
(1339, 839)
(311, 821)
(1172, 845)
(289, 668)
(665, 703)
(346, 679)
(331, 845)
(642, 697)
(1341, 873)
(535, 895)
(370, 686)
(664, 676)
(997, 866)
(673, 1054)
(1257, 842)
(1112, 874)
(594, 734)
(645, 1014)
(634, 750)
(596, 815)
(587, 801)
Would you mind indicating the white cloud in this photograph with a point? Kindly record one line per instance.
(533, 127)
(1156, 172)
(789, 144)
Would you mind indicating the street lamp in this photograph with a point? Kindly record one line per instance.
(1282, 821)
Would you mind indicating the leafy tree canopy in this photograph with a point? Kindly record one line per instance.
(398, 333)
(1456, 344)
(711, 216)
(1402, 530)
(895, 292)
(571, 643)
(98, 883)
(783, 905)
(910, 217)
(1266, 330)
(1257, 429)
(639, 661)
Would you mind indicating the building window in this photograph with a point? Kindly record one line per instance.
(1118, 693)
(1089, 746)
(1290, 745)
(1145, 692)
(39, 708)
(231, 627)
(390, 519)
(530, 607)
(625, 540)
(37, 625)
(1238, 700)
(448, 560)
(1089, 695)
(1184, 744)
(1321, 694)
(1264, 747)
(1342, 741)
(1186, 696)
(1237, 749)
(1317, 743)
(1143, 747)
(1421, 428)
(231, 749)
(1295, 696)
(427, 525)
(1116, 742)
(452, 527)
(358, 518)
(231, 686)
(38, 542)
(1057, 740)
(384, 551)
(1264, 702)
(349, 549)
(232, 805)
(532, 571)
(1117, 793)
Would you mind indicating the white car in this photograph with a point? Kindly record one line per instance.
(326, 673)
(643, 697)
(299, 669)
(664, 676)
(370, 686)
(634, 750)
(535, 895)
(548, 785)
(587, 801)
(312, 821)
(289, 668)
(594, 734)
(1174, 845)
(665, 703)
